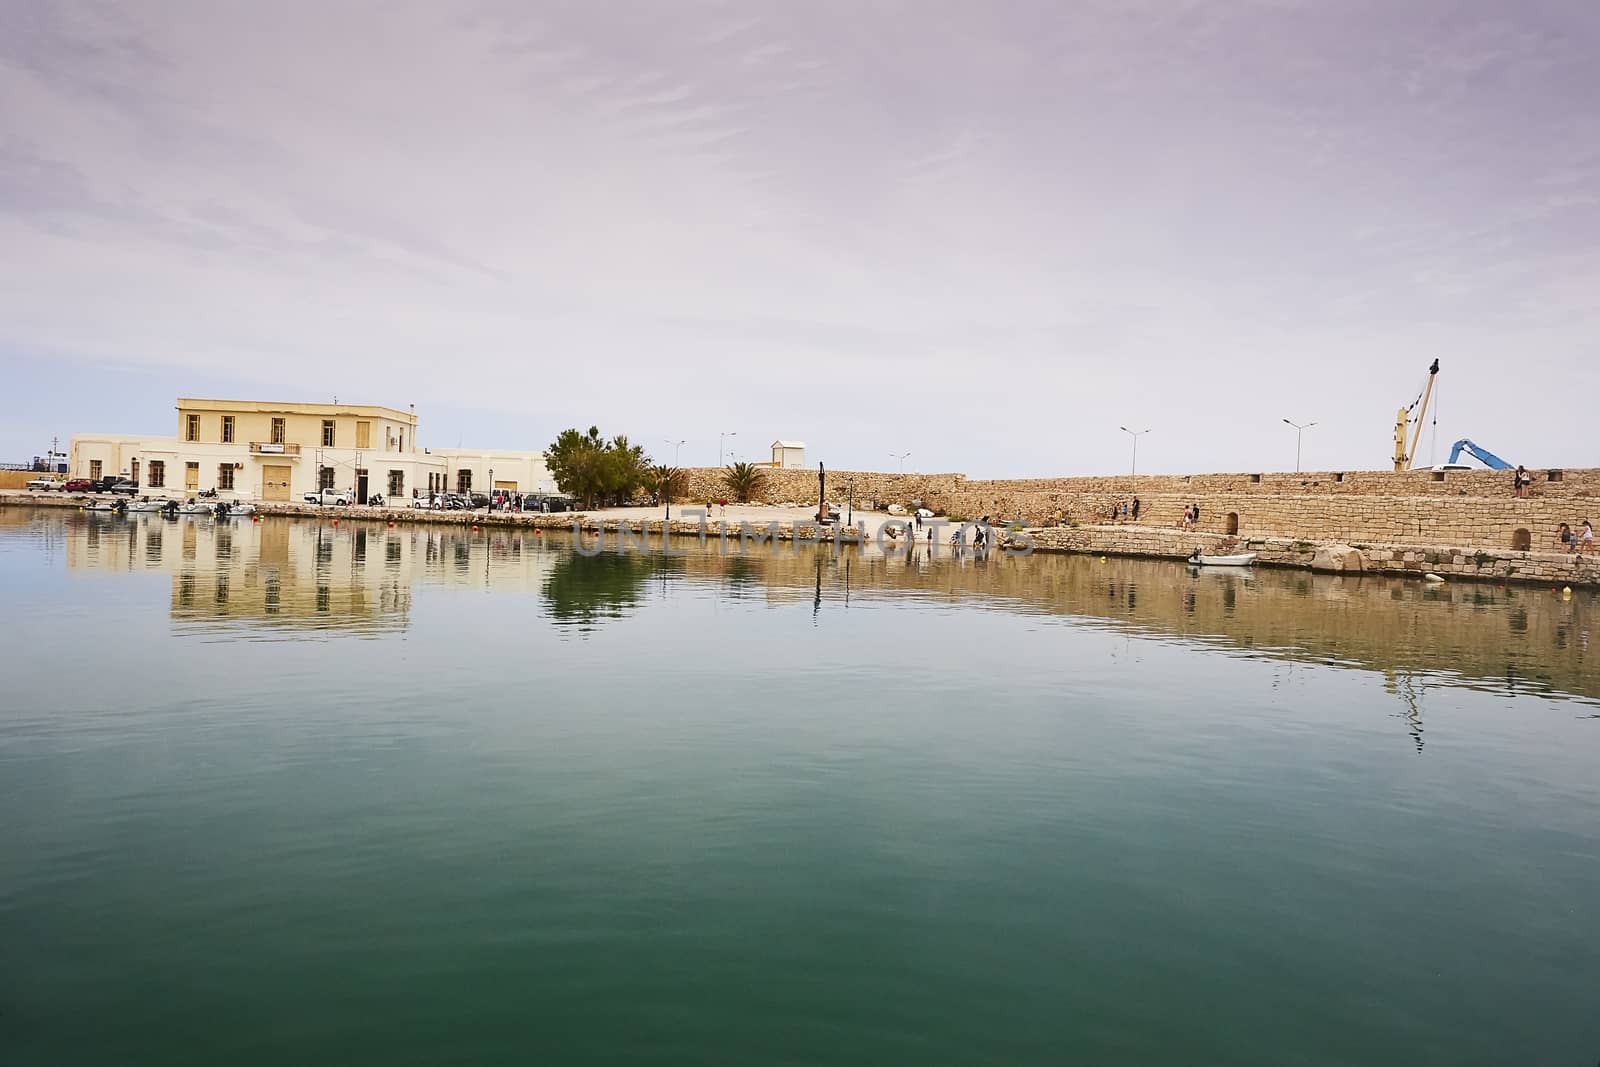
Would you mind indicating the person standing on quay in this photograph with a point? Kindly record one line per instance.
(1586, 537)
(1520, 482)
(1135, 509)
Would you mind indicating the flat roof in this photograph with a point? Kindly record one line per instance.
(291, 407)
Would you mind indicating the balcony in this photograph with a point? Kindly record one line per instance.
(273, 448)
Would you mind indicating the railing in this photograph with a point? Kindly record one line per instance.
(273, 448)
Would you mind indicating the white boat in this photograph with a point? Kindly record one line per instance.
(242, 507)
(100, 505)
(196, 507)
(146, 505)
(1242, 559)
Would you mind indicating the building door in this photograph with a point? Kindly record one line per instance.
(191, 476)
(361, 486)
(274, 482)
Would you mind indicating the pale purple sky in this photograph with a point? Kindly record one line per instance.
(986, 233)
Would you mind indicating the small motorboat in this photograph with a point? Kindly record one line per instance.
(103, 505)
(241, 507)
(146, 505)
(195, 507)
(1241, 559)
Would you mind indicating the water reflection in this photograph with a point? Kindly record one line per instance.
(277, 576)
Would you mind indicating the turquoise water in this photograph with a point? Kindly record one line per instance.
(279, 792)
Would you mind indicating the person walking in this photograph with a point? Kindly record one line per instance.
(1564, 535)
(1135, 509)
(1194, 515)
(1586, 537)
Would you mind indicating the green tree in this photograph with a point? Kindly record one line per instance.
(743, 479)
(666, 482)
(593, 470)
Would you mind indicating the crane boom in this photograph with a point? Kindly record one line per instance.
(1402, 457)
(1478, 452)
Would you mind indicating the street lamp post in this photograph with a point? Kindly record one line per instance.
(1299, 429)
(1133, 470)
(722, 437)
(902, 457)
(676, 445)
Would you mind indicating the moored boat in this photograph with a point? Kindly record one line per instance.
(1241, 559)
(146, 504)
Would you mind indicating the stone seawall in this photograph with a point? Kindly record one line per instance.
(1448, 561)
(1470, 508)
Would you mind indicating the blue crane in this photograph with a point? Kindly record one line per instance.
(1483, 455)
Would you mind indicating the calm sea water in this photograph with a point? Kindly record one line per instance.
(283, 792)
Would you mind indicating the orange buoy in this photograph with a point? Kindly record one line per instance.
(391, 524)
(336, 522)
(474, 527)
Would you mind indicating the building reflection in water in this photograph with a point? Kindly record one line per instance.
(280, 574)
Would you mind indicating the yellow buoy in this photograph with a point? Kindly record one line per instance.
(1566, 592)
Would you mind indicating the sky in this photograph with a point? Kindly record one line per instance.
(987, 234)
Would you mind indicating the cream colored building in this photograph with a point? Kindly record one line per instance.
(788, 453)
(261, 450)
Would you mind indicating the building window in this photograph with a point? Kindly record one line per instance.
(363, 433)
(191, 428)
(94, 469)
(327, 433)
(133, 467)
(225, 476)
(463, 481)
(158, 474)
(324, 477)
(278, 436)
(402, 447)
(227, 429)
(191, 476)
(397, 483)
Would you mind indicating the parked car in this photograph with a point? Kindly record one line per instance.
(329, 496)
(103, 485)
(124, 486)
(43, 485)
(78, 485)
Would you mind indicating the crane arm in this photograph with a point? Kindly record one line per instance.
(1481, 454)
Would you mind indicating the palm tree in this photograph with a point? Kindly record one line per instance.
(743, 479)
(665, 482)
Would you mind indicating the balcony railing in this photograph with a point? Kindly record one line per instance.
(273, 448)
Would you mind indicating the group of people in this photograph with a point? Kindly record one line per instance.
(1579, 540)
(1125, 509)
(1191, 516)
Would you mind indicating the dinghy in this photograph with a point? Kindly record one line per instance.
(1242, 559)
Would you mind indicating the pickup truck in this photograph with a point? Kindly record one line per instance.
(45, 484)
(329, 496)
